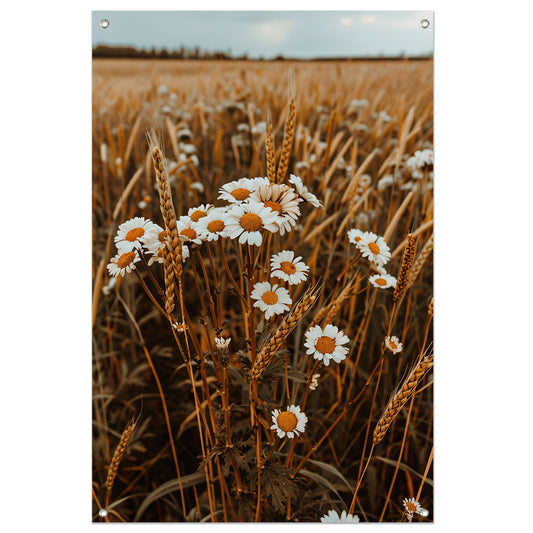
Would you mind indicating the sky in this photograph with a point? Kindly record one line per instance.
(301, 34)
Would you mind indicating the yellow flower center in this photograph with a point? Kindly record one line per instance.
(134, 234)
(189, 233)
(393, 345)
(287, 421)
(411, 506)
(381, 282)
(325, 345)
(197, 215)
(270, 297)
(125, 259)
(357, 239)
(162, 236)
(216, 225)
(240, 194)
(274, 206)
(374, 248)
(251, 222)
(287, 267)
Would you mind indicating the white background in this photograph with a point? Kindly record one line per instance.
(483, 146)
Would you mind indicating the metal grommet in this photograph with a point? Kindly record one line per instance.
(104, 23)
(424, 23)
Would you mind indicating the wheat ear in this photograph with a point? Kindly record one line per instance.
(117, 457)
(287, 144)
(346, 293)
(420, 261)
(405, 268)
(399, 399)
(276, 341)
(167, 207)
(271, 166)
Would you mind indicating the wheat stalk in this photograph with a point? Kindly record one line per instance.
(117, 457)
(399, 399)
(287, 144)
(289, 323)
(405, 268)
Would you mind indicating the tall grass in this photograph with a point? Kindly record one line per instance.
(180, 345)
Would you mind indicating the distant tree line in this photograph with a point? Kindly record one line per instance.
(106, 51)
(162, 53)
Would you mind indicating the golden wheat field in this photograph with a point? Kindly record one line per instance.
(262, 253)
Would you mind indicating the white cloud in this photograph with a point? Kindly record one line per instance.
(345, 21)
(273, 32)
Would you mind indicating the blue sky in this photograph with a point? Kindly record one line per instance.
(302, 34)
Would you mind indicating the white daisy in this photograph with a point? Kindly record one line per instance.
(304, 192)
(290, 422)
(239, 190)
(383, 281)
(131, 234)
(196, 213)
(189, 231)
(123, 262)
(287, 268)
(365, 180)
(411, 507)
(247, 220)
(326, 344)
(355, 235)
(282, 200)
(393, 344)
(374, 248)
(333, 516)
(214, 224)
(272, 300)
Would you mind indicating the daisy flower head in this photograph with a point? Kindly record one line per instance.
(290, 422)
(189, 231)
(411, 507)
(383, 281)
(304, 192)
(355, 235)
(272, 300)
(333, 516)
(214, 224)
(282, 200)
(247, 220)
(122, 263)
(131, 234)
(196, 213)
(393, 344)
(326, 344)
(374, 248)
(284, 266)
(238, 191)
